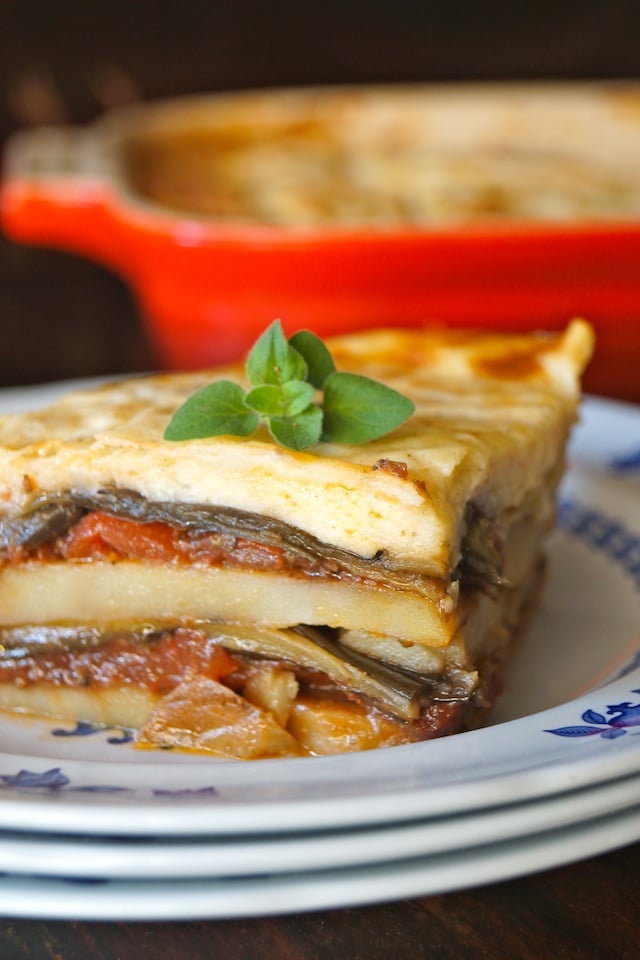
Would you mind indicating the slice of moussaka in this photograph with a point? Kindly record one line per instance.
(233, 596)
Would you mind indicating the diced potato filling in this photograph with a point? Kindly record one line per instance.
(272, 688)
(203, 715)
(334, 727)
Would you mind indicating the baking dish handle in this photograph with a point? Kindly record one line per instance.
(57, 191)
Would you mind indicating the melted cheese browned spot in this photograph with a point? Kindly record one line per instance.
(516, 365)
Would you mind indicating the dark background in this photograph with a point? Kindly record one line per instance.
(67, 61)
(173, 47)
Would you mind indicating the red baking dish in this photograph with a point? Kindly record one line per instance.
(209, 282)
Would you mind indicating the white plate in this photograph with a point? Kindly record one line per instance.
(587, 631)
(138, 858)
(319, 890)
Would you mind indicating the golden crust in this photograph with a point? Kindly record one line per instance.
(492, 417)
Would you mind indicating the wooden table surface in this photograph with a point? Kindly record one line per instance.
(64, 317)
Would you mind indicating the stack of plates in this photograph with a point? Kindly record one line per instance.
(90, 827)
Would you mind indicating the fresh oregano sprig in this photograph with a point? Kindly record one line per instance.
(298, 393)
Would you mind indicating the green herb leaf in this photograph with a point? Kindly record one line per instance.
(272, 360)
(218, 408)
(285, 376)
(298, 395)
(298, 433)
(315, 354)
(357, 409)
(286, 401)
(266, 400)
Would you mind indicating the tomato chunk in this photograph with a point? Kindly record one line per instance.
(101, 535)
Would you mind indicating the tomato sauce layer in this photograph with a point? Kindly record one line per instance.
(101, 536)
(158, 664)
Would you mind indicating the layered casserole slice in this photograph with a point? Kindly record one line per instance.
(230, 595)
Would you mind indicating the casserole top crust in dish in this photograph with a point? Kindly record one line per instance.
(393, 157)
